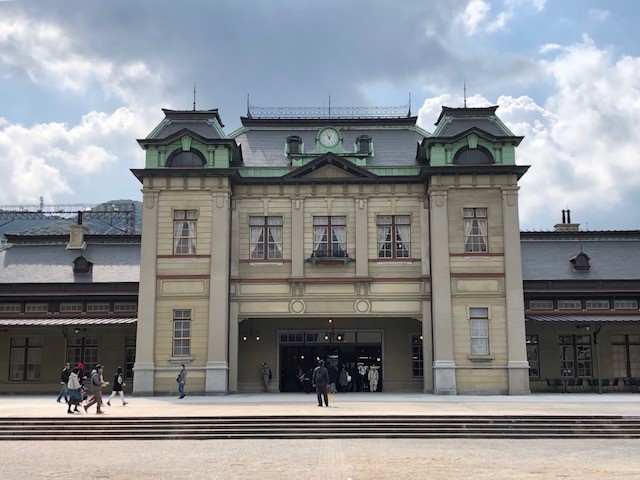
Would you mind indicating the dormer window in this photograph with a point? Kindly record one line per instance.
(82, 265)
(294, 145)
(363, 144)
(580, 262)
(188, 158)
(473, 156)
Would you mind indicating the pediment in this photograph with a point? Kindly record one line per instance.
(330, 166)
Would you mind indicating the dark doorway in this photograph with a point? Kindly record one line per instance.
(358, 359)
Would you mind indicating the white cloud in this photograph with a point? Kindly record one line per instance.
(599, 15)
(476, 18)
(581, 143)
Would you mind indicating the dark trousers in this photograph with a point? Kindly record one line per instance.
(321, 392)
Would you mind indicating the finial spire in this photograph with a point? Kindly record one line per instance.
(194, 97)
(409, 114)
(465, 92)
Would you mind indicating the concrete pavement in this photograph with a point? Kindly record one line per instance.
(275, 404)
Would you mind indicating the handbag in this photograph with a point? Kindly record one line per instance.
(348, 378)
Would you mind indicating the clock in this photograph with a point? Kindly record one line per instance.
(329, 137)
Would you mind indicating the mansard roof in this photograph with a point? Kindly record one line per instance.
(200, 122)
(613, 255)
(456, 123)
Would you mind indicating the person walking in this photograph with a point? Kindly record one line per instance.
(75, 394)
(118, 383)
(182, 380)
(266, 376)
(96, 383)
(64, 379)
(320, 380)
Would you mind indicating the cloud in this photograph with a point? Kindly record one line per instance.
(581, 143)
(476, 18)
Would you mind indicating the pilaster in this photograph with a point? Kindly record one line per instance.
(444, 367)
(297, 237)
(362, 237)
(144, 366)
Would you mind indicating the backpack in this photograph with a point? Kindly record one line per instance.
(318, 376)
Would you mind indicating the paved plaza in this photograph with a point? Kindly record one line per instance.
(331, 458)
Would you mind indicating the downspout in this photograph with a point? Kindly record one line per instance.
(230, 230)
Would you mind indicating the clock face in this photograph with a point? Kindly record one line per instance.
(329, 137)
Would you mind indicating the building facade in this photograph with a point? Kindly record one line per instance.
(352, 236)
(581, 293)
(66, 298)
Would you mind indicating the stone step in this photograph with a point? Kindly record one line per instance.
(104, 428)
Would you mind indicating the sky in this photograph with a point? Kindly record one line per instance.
(81, 80)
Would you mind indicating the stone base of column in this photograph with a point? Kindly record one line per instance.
(519, 378)
(216, 376)
(143, 379)
(444, 378)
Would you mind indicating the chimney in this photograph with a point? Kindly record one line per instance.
(76, 238)
(566, 225)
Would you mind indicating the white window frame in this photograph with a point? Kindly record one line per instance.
(185, 227)
(569, 305)
(10, 307)
(36, 307)
(479, 331)
(541, 304)
(476, 234)
(122, 307)
(70, 307)
(181, 332)
(597, 304)
(98, 307)
(625, 304)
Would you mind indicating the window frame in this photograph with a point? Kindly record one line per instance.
(270, 250)
(479, 322)
(417, 356)
(35, 365)
(85, 350)
(393, 241)
(333, 244)
(182, 321)
(533, 354)
(185, 221)
(475, 242)
(576, 366)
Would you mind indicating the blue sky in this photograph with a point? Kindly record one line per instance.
(81, 80)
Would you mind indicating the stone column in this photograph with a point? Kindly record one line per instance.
(217, 367)
(297, 237)
(444, 366)
(144, 366)
(362, 237)
(427, 326)
(518, 364)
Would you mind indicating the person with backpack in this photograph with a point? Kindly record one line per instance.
(118, 383)
(320, 380)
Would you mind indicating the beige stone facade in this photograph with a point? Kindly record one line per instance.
(406, 317)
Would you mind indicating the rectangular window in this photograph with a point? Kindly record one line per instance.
(68, 307)
(184, 231)
(266, 238)
(475, 230)
(479, 323)
(123, 307)
(394, 236)
(98, 307)
(36, 308)
(575, 356)
(417, 364)
(541, 304)
(597, 304)
(625, 304)
(569, 305)
(85, 350)
(129, 357)
(9, 308)
(292, 337)
(329, 237)
(181, 333)
(533, 356)
(25, 359)
(625, 355)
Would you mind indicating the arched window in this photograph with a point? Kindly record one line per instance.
(190, 158)
(473, 156)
